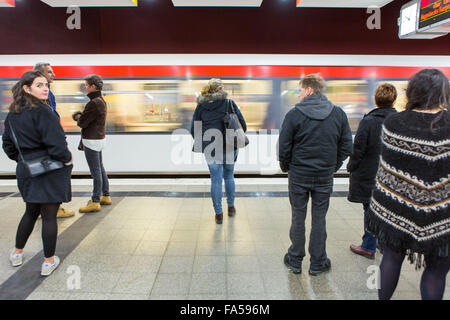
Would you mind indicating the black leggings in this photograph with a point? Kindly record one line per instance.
(432, 283)
(48, 213)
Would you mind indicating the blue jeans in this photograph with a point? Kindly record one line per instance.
(219, 171)
(300, 189)
(369, 242)
(98, 173)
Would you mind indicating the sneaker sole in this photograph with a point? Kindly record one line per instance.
(316, 273)
(16, 265)
(293, 270)
(49, 273)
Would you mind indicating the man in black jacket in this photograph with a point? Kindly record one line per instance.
(315, 139)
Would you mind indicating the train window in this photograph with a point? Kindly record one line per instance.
(350, 95)
(158, 105)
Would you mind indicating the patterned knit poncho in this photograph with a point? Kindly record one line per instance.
(409, 210)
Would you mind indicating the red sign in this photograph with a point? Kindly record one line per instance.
(10, 2)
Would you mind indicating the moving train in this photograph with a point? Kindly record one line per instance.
(151, 99)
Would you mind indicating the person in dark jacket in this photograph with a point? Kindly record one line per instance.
(46, 69)
(207, 123)
(38, 133)
(92, 122)
(314, 141)
(363, 163)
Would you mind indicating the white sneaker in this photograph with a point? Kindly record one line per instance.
(16, 259)
(48, 268)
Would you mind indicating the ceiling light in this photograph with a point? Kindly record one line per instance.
(91, 3)
(217, 3)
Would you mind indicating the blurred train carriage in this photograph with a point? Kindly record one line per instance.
(143, 111)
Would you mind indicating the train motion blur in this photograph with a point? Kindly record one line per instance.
(149, 99)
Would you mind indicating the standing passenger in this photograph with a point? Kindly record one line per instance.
(363, 163)
(315, 139)
(92, 122)
(212, 107)
(409, 211)
(38, 133)
(46, 69)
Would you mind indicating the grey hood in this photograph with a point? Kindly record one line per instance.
(315, 106)
(211, 97)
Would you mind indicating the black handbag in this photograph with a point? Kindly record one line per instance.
(234, 134)
(38, 166)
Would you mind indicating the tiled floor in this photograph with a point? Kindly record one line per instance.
(171, 248)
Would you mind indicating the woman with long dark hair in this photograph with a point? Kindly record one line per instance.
(38, 133)
(212, 107)
(409, 210)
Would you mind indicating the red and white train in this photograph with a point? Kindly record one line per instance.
(151, 99)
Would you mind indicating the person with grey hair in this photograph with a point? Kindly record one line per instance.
(46, 69)
(315, 139)
(92, 122)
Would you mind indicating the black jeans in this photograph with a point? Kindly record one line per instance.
(98, 173)
(320, 189)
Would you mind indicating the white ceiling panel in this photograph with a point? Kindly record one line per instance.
(91, 3)
(342, 3)
(217, 3)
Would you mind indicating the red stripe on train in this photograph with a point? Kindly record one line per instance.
(223, 71)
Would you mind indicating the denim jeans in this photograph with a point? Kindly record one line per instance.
(219, 171)
(369, 242)
(98, 173)
(300, 189)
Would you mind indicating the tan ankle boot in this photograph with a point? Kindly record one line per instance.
(105, 200)
(91, 207)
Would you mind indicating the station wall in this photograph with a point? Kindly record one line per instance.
(158, 27)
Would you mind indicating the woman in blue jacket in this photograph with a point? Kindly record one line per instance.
(208, 130)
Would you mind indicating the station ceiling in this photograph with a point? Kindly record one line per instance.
(208, 3)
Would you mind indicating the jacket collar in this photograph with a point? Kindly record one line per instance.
(382, 112)
(95, 94)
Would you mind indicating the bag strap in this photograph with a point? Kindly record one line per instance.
(15, 142)
(232, 107)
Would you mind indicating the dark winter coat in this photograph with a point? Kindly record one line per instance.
(39, 133)
(93, 118)
(315, 138)
(211, 110)
(363, 163)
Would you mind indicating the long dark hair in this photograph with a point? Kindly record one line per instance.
(428, 89)
(21, 99)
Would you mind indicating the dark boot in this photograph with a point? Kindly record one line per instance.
(219, 218)
(231, 211)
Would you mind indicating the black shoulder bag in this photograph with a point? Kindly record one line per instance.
(39, 166)
(234, 134)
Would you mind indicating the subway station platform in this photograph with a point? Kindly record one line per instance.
(159, 241)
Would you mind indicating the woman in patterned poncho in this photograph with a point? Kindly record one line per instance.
(409, 210)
